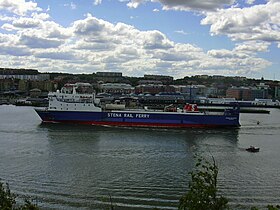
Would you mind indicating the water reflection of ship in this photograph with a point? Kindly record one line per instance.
(192, 137)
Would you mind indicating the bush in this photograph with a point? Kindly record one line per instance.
(203, 188)
(202, 194)
(8, 200)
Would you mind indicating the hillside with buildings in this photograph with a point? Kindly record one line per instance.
(20, 83)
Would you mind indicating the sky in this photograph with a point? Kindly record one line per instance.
(164, 37)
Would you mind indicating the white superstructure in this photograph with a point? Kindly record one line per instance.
(70, 99)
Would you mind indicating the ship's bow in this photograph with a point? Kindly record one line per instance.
(43, 114)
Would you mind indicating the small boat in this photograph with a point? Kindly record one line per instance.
(253, 149)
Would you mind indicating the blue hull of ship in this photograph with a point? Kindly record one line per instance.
(133, 119)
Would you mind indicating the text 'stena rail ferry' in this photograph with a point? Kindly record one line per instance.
(75, 104)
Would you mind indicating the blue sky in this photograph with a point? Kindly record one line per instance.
(168, 37)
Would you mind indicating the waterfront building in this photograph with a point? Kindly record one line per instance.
(35, 93)
(9, 71)
(19, 76)
(238, 78)
(116, 88)
(277, 92)
(146, 82)
(153, 89)
(196, 91)
(259, 93)
(239, 93)
(23, 85)
(111, 77)
(211, 92)
(82, 88)
(162, 100)
(242, 93)
(202, 76)
(218, 77)
(220, 100)
(7, 84)
(43, 77)
(247, 93)
(163, 78)
(265, 102)
(193, 92)
(42, 85)
(108, 74)
(23, 74)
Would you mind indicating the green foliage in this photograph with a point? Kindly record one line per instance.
(28, 206)
(202, 194)
(269, 207)
(8, 200)
(254, 208)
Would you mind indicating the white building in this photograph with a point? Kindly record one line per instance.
(116, 88)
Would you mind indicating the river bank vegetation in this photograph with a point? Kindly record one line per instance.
(8, 200)
(203, 192)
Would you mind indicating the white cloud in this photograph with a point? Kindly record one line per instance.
(155, 40)
(252, 46)
(57, 55)
(72, 5)
(90, 26)
(8, 27)
(135, 3)
(40, 16)
(97, 2)
(93, 44)
(227, 54)
(8, 39)
(39, 42)
(50, 29)
(259, 22)
(15, 51)
(9, 46)
(26, 23)
(181, 32)
(195, 5)
(6, 18)
(250, 1)
(184, 5)
(19, 7)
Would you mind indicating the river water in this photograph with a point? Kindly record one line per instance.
(82, 167)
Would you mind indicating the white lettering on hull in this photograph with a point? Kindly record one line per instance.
(231, 118)
(127, 115)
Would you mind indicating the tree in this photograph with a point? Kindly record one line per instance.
(202, 192)
(269, 207)
(8, 200)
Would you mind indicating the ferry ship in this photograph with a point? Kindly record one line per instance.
(75, 103)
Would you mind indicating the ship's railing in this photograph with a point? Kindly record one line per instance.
(71, 100)
(233, 111)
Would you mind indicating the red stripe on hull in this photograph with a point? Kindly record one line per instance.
(129, 124)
